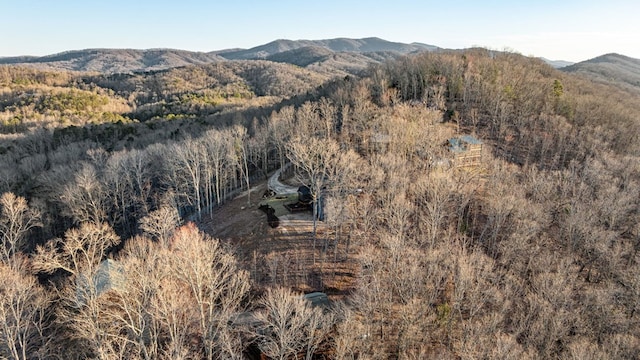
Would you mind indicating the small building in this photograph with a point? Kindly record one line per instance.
(109, 275)
(379, 142)
(304, 194)
(467, 150)
(317, 299)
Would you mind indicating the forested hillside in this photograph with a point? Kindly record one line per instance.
(612, 69)
(114, 60)
(530, 253)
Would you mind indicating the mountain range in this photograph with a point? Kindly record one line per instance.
(367, 45)
(356, 53)
(330, 57)
(115, 60)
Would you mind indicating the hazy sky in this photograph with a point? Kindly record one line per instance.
(573, 30)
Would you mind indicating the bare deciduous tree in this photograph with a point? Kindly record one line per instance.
(349, 335)
(239, 134)
(85, 199)
(214, 281)
(290, 325)
(186, 166)
(434, 198)
(81, 249)
(160, 224)
(82, 307)
(16, 220)
(134, 308)
(281, 125)
(22, 304)
(316, 158)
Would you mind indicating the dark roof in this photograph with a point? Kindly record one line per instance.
(108, 276)
(470, 140)
(304, 194)
(317, 299)
(459, 144)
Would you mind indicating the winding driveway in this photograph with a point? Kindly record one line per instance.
(280, 188)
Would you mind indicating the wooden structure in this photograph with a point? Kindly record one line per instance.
(379, 142)
(467, 150)
(109, 275)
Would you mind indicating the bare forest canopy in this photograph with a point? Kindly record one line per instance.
(530, 254)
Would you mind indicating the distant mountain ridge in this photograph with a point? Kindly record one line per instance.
(557, 63)
(301, 56)
(365, 45)
(611, 69)
(323, 60)
(115, 60)
(298, 52)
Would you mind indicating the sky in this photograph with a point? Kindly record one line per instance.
(571, 30)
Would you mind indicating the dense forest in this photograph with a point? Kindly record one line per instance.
(532, 253)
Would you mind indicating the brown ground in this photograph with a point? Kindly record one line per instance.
(284, 255)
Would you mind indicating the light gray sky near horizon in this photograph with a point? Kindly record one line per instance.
(569, 30)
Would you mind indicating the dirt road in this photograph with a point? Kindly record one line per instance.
(278, 187)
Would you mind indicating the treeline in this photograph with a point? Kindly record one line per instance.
(532, 254)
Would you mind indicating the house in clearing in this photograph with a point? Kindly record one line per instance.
(467, 150)
(379, 142)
